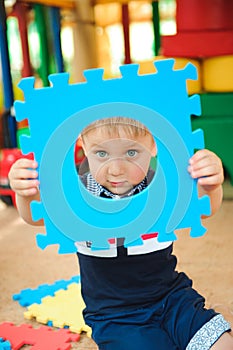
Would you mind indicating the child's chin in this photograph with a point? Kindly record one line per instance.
(120, 192)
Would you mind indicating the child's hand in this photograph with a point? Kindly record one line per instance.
(23, 177)
(206, 166)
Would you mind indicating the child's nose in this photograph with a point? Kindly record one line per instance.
(116, 166)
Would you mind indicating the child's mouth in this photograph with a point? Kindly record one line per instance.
(117, 184)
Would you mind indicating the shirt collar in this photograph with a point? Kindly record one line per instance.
(97, 190)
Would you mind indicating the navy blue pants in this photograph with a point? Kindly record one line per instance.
(167, 325)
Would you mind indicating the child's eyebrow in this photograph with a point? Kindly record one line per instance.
(133, 144)
(127, 144)
(98, 145)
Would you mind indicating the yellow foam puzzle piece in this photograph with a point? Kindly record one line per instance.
(218, 74)
(63, 309)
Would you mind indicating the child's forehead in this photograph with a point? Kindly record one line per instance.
(101, 136)
(117, 131)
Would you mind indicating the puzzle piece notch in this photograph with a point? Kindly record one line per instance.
(26, 86)
(31, 296)
(40, 338)
(196, 227)
(195, 105)
(166, 79)
(63, 309)
(204, 209)
(58, 81)
(25, 144)
(167, 66)
(21, 108)
(66, 245)
(92, 76)
(129, 70)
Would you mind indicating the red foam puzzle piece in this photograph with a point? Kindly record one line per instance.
(40, 338)
(198, 44)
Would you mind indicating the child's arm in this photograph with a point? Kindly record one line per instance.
(207, 167)
(24, 182)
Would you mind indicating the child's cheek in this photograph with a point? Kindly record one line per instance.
(98, 173)
(137, 174)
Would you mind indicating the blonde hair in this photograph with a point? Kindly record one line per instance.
(115, 126)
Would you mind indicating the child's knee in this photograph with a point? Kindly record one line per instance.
(224, 342)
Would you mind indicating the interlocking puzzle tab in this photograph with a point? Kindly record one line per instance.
(40, 338)
(64, 309)
(57, 114)
(30, 296)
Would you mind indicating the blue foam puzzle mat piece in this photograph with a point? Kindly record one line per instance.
(30, 296)
(5, 344)
(57, 114)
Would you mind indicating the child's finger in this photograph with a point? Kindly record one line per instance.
(23, 168)
(199, 155)
(27, 192)
(204, 158)
(26, 163)
(23, 177)
(208, 170)
(205, 163)
(19, 184)
(27, 174)
(213, 180)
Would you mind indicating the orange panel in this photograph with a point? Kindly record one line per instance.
(58, 3)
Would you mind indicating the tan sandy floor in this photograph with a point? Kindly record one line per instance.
(208, 260)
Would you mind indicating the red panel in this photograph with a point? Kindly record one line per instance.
(204, 15)
(40, 338)
(201, 44)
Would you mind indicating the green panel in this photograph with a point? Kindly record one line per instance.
(217, 105)
(218, 138)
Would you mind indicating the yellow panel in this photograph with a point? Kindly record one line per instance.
(63, 309)
(218, 74)
(193, 86)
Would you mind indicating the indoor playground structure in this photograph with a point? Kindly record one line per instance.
(121, 47)
(34, 38)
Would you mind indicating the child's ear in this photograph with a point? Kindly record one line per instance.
(81, 144)
(154, 150)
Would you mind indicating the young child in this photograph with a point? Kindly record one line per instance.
(135, 299)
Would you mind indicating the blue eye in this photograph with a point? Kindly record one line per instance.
(131, 153)
(101, 154)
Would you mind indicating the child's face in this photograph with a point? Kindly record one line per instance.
(118, 163)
